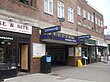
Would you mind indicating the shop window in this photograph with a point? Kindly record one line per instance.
(7, 54)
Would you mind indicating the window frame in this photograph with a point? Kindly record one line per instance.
(99, 22)
(47, 7)
(70, 13)
(26, 2)
(92, 18)
(96, 20)
(84, 13)
(88, 16)
(60, 9)
(78, 10)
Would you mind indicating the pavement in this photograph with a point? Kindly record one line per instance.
(96, 72)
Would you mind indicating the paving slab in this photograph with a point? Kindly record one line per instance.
(43, 78)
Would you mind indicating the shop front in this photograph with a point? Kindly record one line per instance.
(101, 50)
(88, 51)
(14, 48)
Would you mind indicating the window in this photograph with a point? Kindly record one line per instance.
(99, 22)
(88, 16)
(92, 18)
(48, 6)
(7, 54)
(78, 10)
(95, 20)
(60, 9)
(70, 14)
(84, 13)
(29, 2)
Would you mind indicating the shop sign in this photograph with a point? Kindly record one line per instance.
(71, 51)
(51, 29)
(84, 36)
(6, 38)
(15, 27)
(99, 43)
(89, 41)
(57, 38)
(107, 37)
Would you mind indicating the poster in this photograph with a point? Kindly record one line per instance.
(71, 51)
(38, 50)
(79, 51)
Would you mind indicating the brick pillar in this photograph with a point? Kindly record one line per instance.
(35, 65)
(34, 62)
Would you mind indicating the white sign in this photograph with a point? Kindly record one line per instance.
(15, 27)
(101, 43)
(71, 51)
(79, 50)
(38, 50)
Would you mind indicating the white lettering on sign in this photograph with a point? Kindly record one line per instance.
(15, 27)
(7, 38)
(55, 28)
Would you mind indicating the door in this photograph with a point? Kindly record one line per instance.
(23, 57)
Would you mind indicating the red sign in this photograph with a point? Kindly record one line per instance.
(104, 27)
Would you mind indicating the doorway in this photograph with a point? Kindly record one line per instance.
(23, 61)
(59, 54)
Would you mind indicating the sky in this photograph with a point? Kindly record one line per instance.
(104, 7)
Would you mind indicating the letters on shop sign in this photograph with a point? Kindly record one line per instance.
(3, 23)
(19, 26)
(15, 27)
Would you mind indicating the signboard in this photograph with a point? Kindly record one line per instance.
(107, 37)
(38, 50)
(84, 37)
(51, 29)
(6, 38)
(58, 38)
(15, 27)
(79, 50)
(89, 41)
(71, 51)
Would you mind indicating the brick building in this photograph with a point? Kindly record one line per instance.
(21, 22)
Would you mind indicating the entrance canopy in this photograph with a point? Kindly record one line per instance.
(58, 39)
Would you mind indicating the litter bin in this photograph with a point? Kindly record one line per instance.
(46, 64)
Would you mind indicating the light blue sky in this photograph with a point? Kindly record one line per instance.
(104, 7)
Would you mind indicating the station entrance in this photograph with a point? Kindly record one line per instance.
(58, 53)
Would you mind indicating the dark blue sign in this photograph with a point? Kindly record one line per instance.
(84, 37)
(51, 29)
(58, 38)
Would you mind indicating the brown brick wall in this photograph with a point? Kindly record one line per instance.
(53, 19)
(91, 10)
(15, 6)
